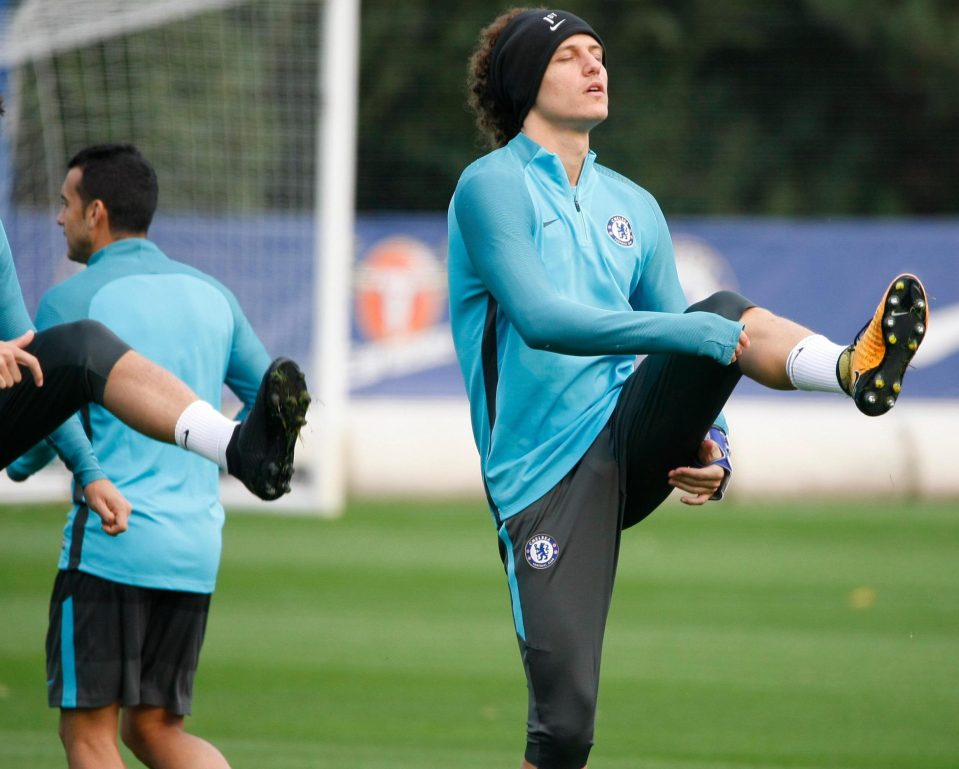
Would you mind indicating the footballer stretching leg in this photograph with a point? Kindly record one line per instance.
(68, 366)
(782, 354)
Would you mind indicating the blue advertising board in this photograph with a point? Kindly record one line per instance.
(827, 275)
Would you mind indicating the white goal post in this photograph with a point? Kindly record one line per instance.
(247, 108)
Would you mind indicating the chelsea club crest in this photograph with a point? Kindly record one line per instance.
(620, 230)
(541, 551)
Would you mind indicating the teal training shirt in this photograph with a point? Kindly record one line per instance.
(554, 290)
(193, 326)
(68, 439)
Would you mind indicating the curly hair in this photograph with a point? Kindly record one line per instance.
(494, 120)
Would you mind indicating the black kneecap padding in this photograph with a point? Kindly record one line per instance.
(85, 346)
(76, 359)
(728, 304)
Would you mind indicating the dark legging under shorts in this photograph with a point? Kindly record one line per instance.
(664, 411)
(76, 359)
(560, 606)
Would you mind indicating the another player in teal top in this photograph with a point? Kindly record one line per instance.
(44, 378)
(193, 326)
(128, 614)
(561, 272)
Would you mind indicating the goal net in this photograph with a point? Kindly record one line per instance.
(229, 100)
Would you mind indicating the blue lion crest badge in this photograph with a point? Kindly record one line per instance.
(620, 230)
(541, 551)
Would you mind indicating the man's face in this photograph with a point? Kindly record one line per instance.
(573, 91)
(74, 220)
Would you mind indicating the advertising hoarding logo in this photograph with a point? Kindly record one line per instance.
(400, 289)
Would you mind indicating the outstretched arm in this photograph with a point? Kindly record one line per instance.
(497, 222)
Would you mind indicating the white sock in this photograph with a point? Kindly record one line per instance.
(204, 431)
(811, 364)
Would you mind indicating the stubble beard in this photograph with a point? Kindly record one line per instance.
(79, 250)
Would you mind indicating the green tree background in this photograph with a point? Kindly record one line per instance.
(730, 107)
(719, 107)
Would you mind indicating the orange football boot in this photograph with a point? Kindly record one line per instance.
(872, 368)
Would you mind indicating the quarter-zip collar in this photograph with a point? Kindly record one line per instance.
(550, 164)
(551, 173)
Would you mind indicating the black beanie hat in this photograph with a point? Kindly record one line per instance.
(522, 53)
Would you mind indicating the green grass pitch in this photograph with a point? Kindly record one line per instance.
(742, 636)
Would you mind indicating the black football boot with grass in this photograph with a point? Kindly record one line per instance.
(260, 453)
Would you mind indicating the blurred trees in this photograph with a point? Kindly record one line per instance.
(735, 107)
(745, 107)
(223, 102)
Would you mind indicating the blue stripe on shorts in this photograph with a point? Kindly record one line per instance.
(68, 661)
(513, 584)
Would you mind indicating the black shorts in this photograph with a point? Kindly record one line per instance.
(561, 552)
(76, 359)
(113, 643)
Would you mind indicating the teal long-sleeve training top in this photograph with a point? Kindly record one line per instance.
(554, 290)
(193, 326)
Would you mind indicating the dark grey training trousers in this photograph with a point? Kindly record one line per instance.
(561, 552)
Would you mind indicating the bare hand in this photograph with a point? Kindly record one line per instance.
(741, 346)
(106, 501)
(700, 482)
(12, 356)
